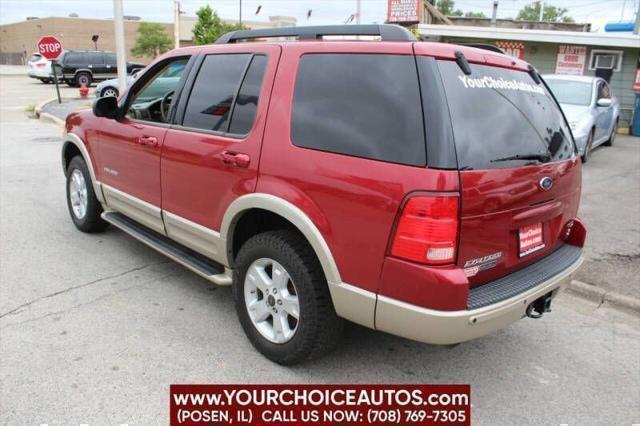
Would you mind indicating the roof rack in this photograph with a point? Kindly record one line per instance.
(386, 32)
(490, 47)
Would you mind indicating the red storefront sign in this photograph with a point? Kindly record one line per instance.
(404, 11)
(511, 48)
(571, 60)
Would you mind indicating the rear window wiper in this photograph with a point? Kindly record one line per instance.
(542, 158)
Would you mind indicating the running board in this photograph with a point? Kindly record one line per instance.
(199, 264)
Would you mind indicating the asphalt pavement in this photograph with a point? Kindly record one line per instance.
(94, 328)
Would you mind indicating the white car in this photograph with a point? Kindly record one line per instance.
(590, 109)
(40, 68)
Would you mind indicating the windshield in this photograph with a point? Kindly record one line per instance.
(570, 92)
(501, 118)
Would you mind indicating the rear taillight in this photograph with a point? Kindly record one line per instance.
(41, 65)
(427, 231)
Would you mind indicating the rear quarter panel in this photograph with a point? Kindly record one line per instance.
(353, 201)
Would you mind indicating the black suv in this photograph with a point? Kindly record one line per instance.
(78, 67)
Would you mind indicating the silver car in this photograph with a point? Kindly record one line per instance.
(589, 107)
(110, 87)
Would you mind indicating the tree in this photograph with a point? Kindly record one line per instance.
(446, 7)
(152, 40)
(551, 13)
(475, 15)
(210, 27)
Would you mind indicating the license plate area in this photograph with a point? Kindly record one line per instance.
(530, 239)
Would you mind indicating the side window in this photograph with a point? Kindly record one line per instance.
(210, 102)
(361, 105)
(110, 59)
(73, 57)
(244, 111)
(95, 58)
(152, 101)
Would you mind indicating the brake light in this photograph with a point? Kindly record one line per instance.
(427, 231)
(41, 65)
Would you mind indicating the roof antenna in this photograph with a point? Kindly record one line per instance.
(534, 74)
(462, 62)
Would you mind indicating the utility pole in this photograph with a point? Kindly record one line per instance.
(494, 14)
(541, 10)
(240, 12)
(358, 10)
(176, 23)
(121, 53)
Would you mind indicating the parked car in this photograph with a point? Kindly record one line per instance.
(40, 68)
(82, 67)
(590, 109)
(110, 87)
(422, 189)
(156, 89)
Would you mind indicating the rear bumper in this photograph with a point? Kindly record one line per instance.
(39, 74)
(449, 327)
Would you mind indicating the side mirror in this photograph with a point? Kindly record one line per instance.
(106, 107)
(604, 102)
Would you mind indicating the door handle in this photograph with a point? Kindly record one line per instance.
(236, 158)
(148, 140)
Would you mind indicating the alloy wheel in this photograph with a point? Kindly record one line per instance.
(78, 194)
(271, 300)
(109, 91)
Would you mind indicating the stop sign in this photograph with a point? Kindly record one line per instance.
(50, 47)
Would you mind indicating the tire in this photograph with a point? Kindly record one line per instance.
(71, 83)
(612, 136)
(587, 148)
(45, 81)
(318, 329)
(109, 91)
(83, 78)
(84, 207)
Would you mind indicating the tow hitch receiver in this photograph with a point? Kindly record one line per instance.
(538, 307)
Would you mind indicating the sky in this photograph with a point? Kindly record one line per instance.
(596, 12)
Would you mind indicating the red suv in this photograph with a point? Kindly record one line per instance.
(427, 190)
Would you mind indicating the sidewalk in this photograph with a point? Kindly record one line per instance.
(68, 105)
(13, 69)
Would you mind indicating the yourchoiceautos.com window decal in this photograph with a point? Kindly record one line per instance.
(488, 82)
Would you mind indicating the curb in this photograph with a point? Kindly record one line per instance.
(45, 116)
(601, 296)
(38, 108)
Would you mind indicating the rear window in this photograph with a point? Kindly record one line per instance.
(360, 105)
(571, 92)
(498, 113)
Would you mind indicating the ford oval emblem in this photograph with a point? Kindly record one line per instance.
(546, 183)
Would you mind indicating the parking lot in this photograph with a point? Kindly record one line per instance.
(94, 328)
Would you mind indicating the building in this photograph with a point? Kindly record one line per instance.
(614, 56)
(517, 23)
(18, 40)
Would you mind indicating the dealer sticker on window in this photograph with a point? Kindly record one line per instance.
(530, 238)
